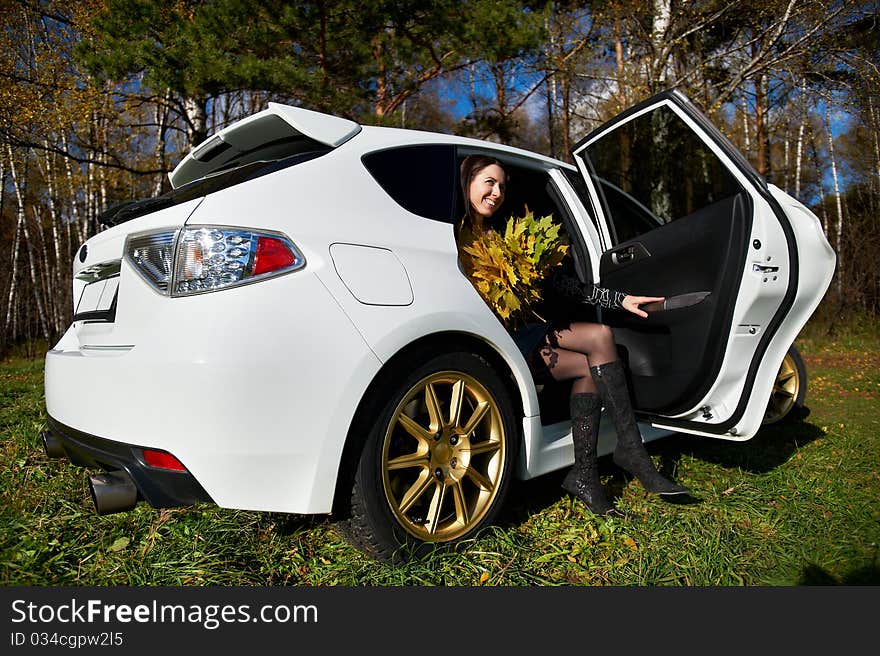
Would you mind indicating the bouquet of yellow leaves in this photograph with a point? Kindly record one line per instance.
(506, 269)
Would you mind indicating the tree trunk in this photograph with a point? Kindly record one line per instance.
(13, 279)
(786, 165)
(72, 194)
(90, 200)
(622, 86)
(875, 133)
(565, 88)
(196, 109)
(550, 84)
(161, 145)
(800, 140)
(798, 159)
(659, 29)
(49, 272)
(762, 161)
(41, 315)
(381, 82)
(837, 201)
(2, 184)
(43, 270)
(823, 216)
(61, 262)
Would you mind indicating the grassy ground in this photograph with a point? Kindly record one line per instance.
(797, 504)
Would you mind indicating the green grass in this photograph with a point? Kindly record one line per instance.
(797, 504)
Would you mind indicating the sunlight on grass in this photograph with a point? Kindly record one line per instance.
(798, 504)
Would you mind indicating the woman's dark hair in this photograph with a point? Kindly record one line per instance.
(470, 166)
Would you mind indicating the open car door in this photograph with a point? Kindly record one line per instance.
(685, 216)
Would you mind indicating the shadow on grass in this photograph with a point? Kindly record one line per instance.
(536, 495)
(815, 575)
(290, 524)
(772, 446)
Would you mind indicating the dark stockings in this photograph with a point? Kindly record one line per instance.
(586, 352)
(570, 353)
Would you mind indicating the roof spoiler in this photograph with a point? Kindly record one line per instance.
(260, 129)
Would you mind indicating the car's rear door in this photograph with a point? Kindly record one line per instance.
(684, 216)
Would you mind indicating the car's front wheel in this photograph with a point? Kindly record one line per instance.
(437, 460)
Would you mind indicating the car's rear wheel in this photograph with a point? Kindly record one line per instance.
(789, 390)
(437, 461)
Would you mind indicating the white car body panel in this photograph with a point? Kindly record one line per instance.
(180, 387)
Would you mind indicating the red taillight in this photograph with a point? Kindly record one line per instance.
(162, 460)
(272, 254)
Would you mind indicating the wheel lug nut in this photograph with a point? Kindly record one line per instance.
(438, 473)
(453, 462)
(453, 440)
(437, 435)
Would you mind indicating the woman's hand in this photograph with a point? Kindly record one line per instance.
(632, 303)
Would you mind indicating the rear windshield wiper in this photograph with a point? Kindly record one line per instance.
(129, 209)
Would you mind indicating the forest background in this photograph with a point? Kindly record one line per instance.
(99, 100)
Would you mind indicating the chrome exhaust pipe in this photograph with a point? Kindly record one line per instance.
(52, 446)
(112, 492)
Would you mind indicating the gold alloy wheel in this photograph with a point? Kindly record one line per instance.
(443, 456)
(785, 391)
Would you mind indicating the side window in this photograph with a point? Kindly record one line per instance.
(421, 179)
(653, 170)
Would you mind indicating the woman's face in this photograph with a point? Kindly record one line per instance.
(486, 192)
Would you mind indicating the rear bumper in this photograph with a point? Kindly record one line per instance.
(253, 389)
(161, 488)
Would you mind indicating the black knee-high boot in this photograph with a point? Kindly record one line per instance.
(583, 479)
(630, 453)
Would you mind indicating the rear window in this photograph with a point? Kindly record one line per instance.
(128, 210)
(421, 179)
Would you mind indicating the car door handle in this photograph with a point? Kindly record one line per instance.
(676, 302)
(629, 254)
(621, 257)
(760, 268)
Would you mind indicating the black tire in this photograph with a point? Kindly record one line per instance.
(789, 391)
(419, 483)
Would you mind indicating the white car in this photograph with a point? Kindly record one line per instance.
(289, 329)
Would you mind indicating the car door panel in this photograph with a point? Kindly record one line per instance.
(698, 254)
(665, 182)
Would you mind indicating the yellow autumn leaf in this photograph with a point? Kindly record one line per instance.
(484, 577)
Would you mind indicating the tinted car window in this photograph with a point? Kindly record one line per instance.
(653, 170)
(127, 210)
(421, 179)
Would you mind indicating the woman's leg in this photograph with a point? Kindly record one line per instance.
(564, 364)
(629, 452)
(582, 480)
(594, 343)
(595, 340)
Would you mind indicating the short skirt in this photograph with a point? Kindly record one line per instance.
(528, 340)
